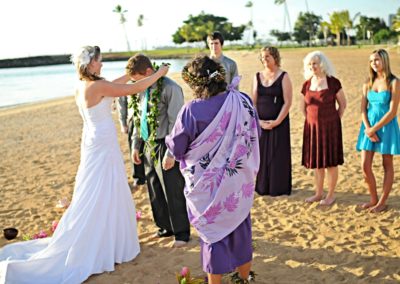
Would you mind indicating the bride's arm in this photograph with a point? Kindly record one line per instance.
(110, 89)
(122, 80)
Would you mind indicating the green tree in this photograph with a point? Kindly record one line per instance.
(396, 24)
(196, 28)
(306, 26)
(280, 36)
(250, 27)
(373, 25)
(140, 20)
(396, 21)
(383, 35)
(339, 21)
(140, 23)
(118, 9)
(324, 29)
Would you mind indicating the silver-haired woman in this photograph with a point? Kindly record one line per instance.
(322, 136)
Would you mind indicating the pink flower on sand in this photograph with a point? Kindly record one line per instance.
(184, 271)
(42, 234)
(138, 215)
(54, 225)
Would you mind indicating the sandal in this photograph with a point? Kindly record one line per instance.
(236, 279)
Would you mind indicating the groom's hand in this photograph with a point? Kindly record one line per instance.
(136, 157)
(168, 163)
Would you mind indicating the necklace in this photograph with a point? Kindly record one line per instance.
(271, 77)
(152, 114)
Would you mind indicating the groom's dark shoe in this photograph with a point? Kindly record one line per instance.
(162, 233)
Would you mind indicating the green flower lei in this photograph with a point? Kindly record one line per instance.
(152, 114)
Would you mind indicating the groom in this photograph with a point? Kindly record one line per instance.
(164, 180)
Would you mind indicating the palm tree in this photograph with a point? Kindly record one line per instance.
(396, 24)
(325, 29)
(249, 5)
(350, 25)
(339, 20)
(140, 22)
(287, 17)
(118, 9)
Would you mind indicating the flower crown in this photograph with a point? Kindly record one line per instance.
(200, 81)
(82, 57)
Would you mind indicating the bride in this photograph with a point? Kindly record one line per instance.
(99, 227)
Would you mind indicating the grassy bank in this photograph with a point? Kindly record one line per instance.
(158, 54)
(107, 56)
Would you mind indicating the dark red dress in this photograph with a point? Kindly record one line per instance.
(275, 174)
(322, 137)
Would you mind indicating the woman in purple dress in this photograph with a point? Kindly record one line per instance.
(272, 94)
(215, 138)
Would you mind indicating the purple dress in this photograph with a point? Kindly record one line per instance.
(236, 248)
(275, 174)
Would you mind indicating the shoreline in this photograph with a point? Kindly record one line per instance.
(48, 60)
(33, 103)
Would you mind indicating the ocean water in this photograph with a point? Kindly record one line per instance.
(35, 84)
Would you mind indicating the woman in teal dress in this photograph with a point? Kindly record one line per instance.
(379, 129)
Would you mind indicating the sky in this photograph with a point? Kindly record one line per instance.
(45, 27)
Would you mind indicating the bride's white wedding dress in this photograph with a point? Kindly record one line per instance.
(99, 227)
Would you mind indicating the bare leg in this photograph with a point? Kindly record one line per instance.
(366, 163)
(332, 177)
(388, 177)
(244, 270)
(319, 175)
(214, 278)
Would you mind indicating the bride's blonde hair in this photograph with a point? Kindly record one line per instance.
(82, 59)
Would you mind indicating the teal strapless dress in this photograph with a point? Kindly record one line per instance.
(389, 135)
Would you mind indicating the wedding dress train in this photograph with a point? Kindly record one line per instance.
(99, 227)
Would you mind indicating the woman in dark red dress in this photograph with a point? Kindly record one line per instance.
(272, 95)
(322, 137)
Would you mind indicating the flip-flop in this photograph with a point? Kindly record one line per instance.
(365, 205)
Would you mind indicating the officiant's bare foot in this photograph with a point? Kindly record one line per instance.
(367, 205)
(314, 198)
(327, 201)
(378, 208)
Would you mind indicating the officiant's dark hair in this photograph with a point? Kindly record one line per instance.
(205, 77)
(138, 64)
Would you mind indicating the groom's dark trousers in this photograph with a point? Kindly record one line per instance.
(166, 193)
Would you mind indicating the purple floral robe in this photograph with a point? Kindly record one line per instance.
(219, 165)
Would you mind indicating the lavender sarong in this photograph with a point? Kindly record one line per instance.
(220, 169)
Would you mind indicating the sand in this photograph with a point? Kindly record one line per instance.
(294, 242)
